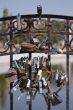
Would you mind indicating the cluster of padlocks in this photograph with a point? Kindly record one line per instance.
(40, 79)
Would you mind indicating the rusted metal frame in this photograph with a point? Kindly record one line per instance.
(67, 65)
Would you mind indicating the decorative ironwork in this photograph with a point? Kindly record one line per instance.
(34, 25)
(37, 24)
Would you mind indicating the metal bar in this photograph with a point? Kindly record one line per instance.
(30, 71)
(37, 16)
(43, 31)
(11, 50)
(67, 66)
(49, 61)
(11, 101)
(70, 53)
(30, 106)
(37, 31)
(11, 96)
(30, 65)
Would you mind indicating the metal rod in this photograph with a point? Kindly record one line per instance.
(37, 16)
(11, 96)
(30, 65)
(30, 106)
(49, 61)
(11, 50)
(17, 69)
(11, 101)
(67, 66)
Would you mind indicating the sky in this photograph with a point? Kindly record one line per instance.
(60, 7)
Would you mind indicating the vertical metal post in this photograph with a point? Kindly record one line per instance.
(11, 96)
(30, 105)
(11, 101)
(49, 61)
(30, 76)
(67, 65)
(30, 65)
(49, 44)
(11, 50)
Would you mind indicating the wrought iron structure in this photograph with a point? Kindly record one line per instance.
(37, 25)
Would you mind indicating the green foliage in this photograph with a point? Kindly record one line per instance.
(5, 12)
(21, 38)
(3, 24)
(41, 37)
(56, 38)
(58, 25)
